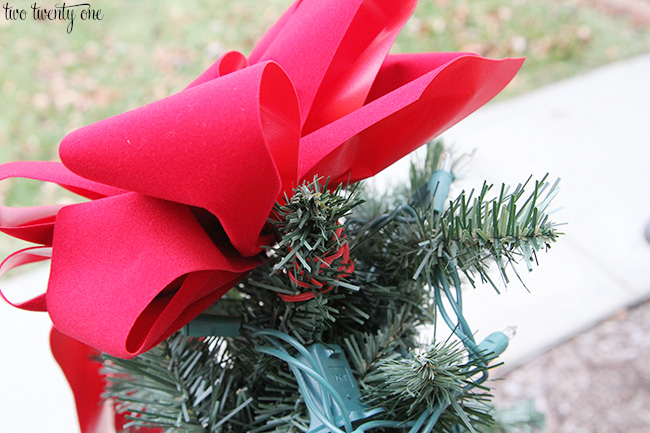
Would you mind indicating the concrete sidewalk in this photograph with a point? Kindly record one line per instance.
(593, 131)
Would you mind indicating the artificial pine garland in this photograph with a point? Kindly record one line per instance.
(356, 274)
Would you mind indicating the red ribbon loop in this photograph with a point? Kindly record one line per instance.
(128, 271)
(21, 258)
(36, 224)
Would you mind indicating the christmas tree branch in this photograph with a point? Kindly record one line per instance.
(362, 276)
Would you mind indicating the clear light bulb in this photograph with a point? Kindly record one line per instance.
(510, 332)
(444, 163)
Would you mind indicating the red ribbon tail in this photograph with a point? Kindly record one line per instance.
(81, 367)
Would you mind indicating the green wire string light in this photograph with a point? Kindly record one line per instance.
(344, 354)
(324, 376)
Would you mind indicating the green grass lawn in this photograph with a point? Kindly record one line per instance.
(52, 82)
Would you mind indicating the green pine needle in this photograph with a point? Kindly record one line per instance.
(426, 379)
(403, 253)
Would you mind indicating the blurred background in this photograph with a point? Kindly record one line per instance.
(52, 82)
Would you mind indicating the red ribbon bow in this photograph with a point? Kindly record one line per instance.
(181, 188)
